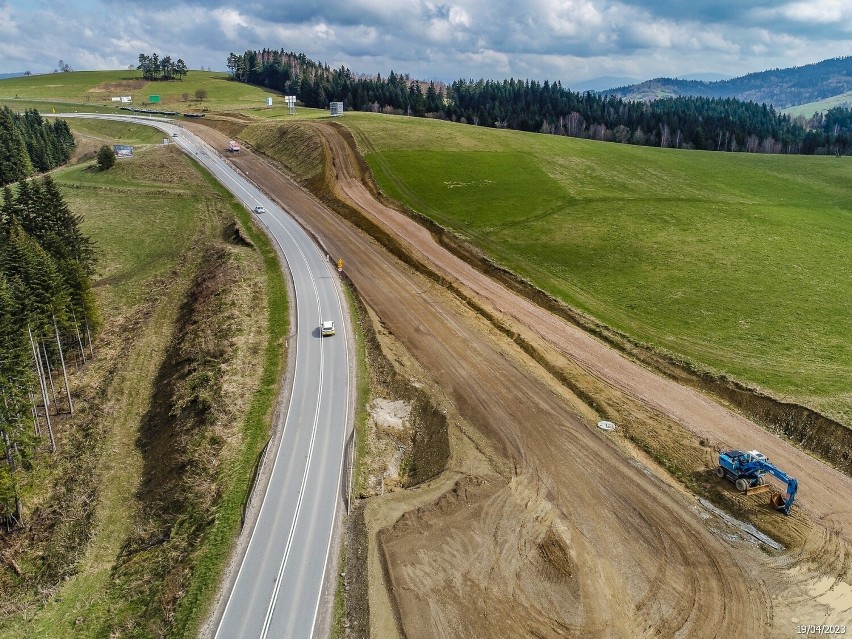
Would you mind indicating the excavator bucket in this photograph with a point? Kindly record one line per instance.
(777, 501)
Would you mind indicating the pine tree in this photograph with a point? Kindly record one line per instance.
(16, 361)
(15, 162)
(63, 237)
(35, 280)
(8, 213)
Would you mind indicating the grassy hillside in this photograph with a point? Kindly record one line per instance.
(90, 89)
(738, 263)
(807, 110)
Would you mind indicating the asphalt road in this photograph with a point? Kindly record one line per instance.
(279, 584)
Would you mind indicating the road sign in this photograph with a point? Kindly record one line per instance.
(153, 99)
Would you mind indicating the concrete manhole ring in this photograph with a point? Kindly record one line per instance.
(604, 425)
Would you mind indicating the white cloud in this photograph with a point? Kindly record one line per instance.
(8, 25)
(230, 21)
(575, 18)
(819, 12)
(459, 17)
(323, 31)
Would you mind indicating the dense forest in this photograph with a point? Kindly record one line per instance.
(29, 143)
(47, 313)
(715, 124)
(778, 87)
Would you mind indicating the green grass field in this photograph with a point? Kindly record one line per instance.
(141, 219)
(88, 90)
(739, 263)
(807, 110)
(91, 92)
(111, 132)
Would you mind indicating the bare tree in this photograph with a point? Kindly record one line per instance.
(665, 135)
(752, 143)
(575, 125)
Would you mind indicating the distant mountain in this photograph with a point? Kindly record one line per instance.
(602, 83)
(781, 88)
(3, 76)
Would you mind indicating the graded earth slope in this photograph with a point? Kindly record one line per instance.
(620, 552)
(825, 491)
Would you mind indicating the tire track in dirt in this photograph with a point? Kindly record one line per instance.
(824, 491)
(635, 539)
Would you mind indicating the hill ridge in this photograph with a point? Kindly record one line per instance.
(780, 88)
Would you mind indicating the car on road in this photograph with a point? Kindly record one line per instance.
(174, 135)
(259, 209)
(327, 328)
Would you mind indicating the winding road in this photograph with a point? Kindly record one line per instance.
(279, 585)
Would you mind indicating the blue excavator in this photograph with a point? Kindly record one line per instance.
(747, 469)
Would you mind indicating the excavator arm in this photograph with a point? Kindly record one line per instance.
(782, 503)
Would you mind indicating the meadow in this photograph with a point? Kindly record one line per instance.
(737, 264)
(93, 91)
(807, 110)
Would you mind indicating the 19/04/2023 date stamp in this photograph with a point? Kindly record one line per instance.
(820, 629)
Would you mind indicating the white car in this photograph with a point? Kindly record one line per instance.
(327, 328)
(259, 209)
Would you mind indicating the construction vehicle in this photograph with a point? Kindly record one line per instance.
(748, 469)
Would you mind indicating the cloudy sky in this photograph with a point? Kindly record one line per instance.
(568, 40)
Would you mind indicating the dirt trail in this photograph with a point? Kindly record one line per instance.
(638, 560)
(824, 492)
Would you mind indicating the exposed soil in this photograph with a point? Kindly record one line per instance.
(566, 531)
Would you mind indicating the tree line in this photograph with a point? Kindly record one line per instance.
(713, 124)
(30, 143)
(47, 315)
(153, 67)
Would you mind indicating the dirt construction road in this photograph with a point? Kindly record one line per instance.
(576, 540)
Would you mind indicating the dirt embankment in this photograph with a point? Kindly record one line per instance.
(815, 432)
(557, 502)
(550, 340)
(425, 442)
(190, 430)
(820, 435)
